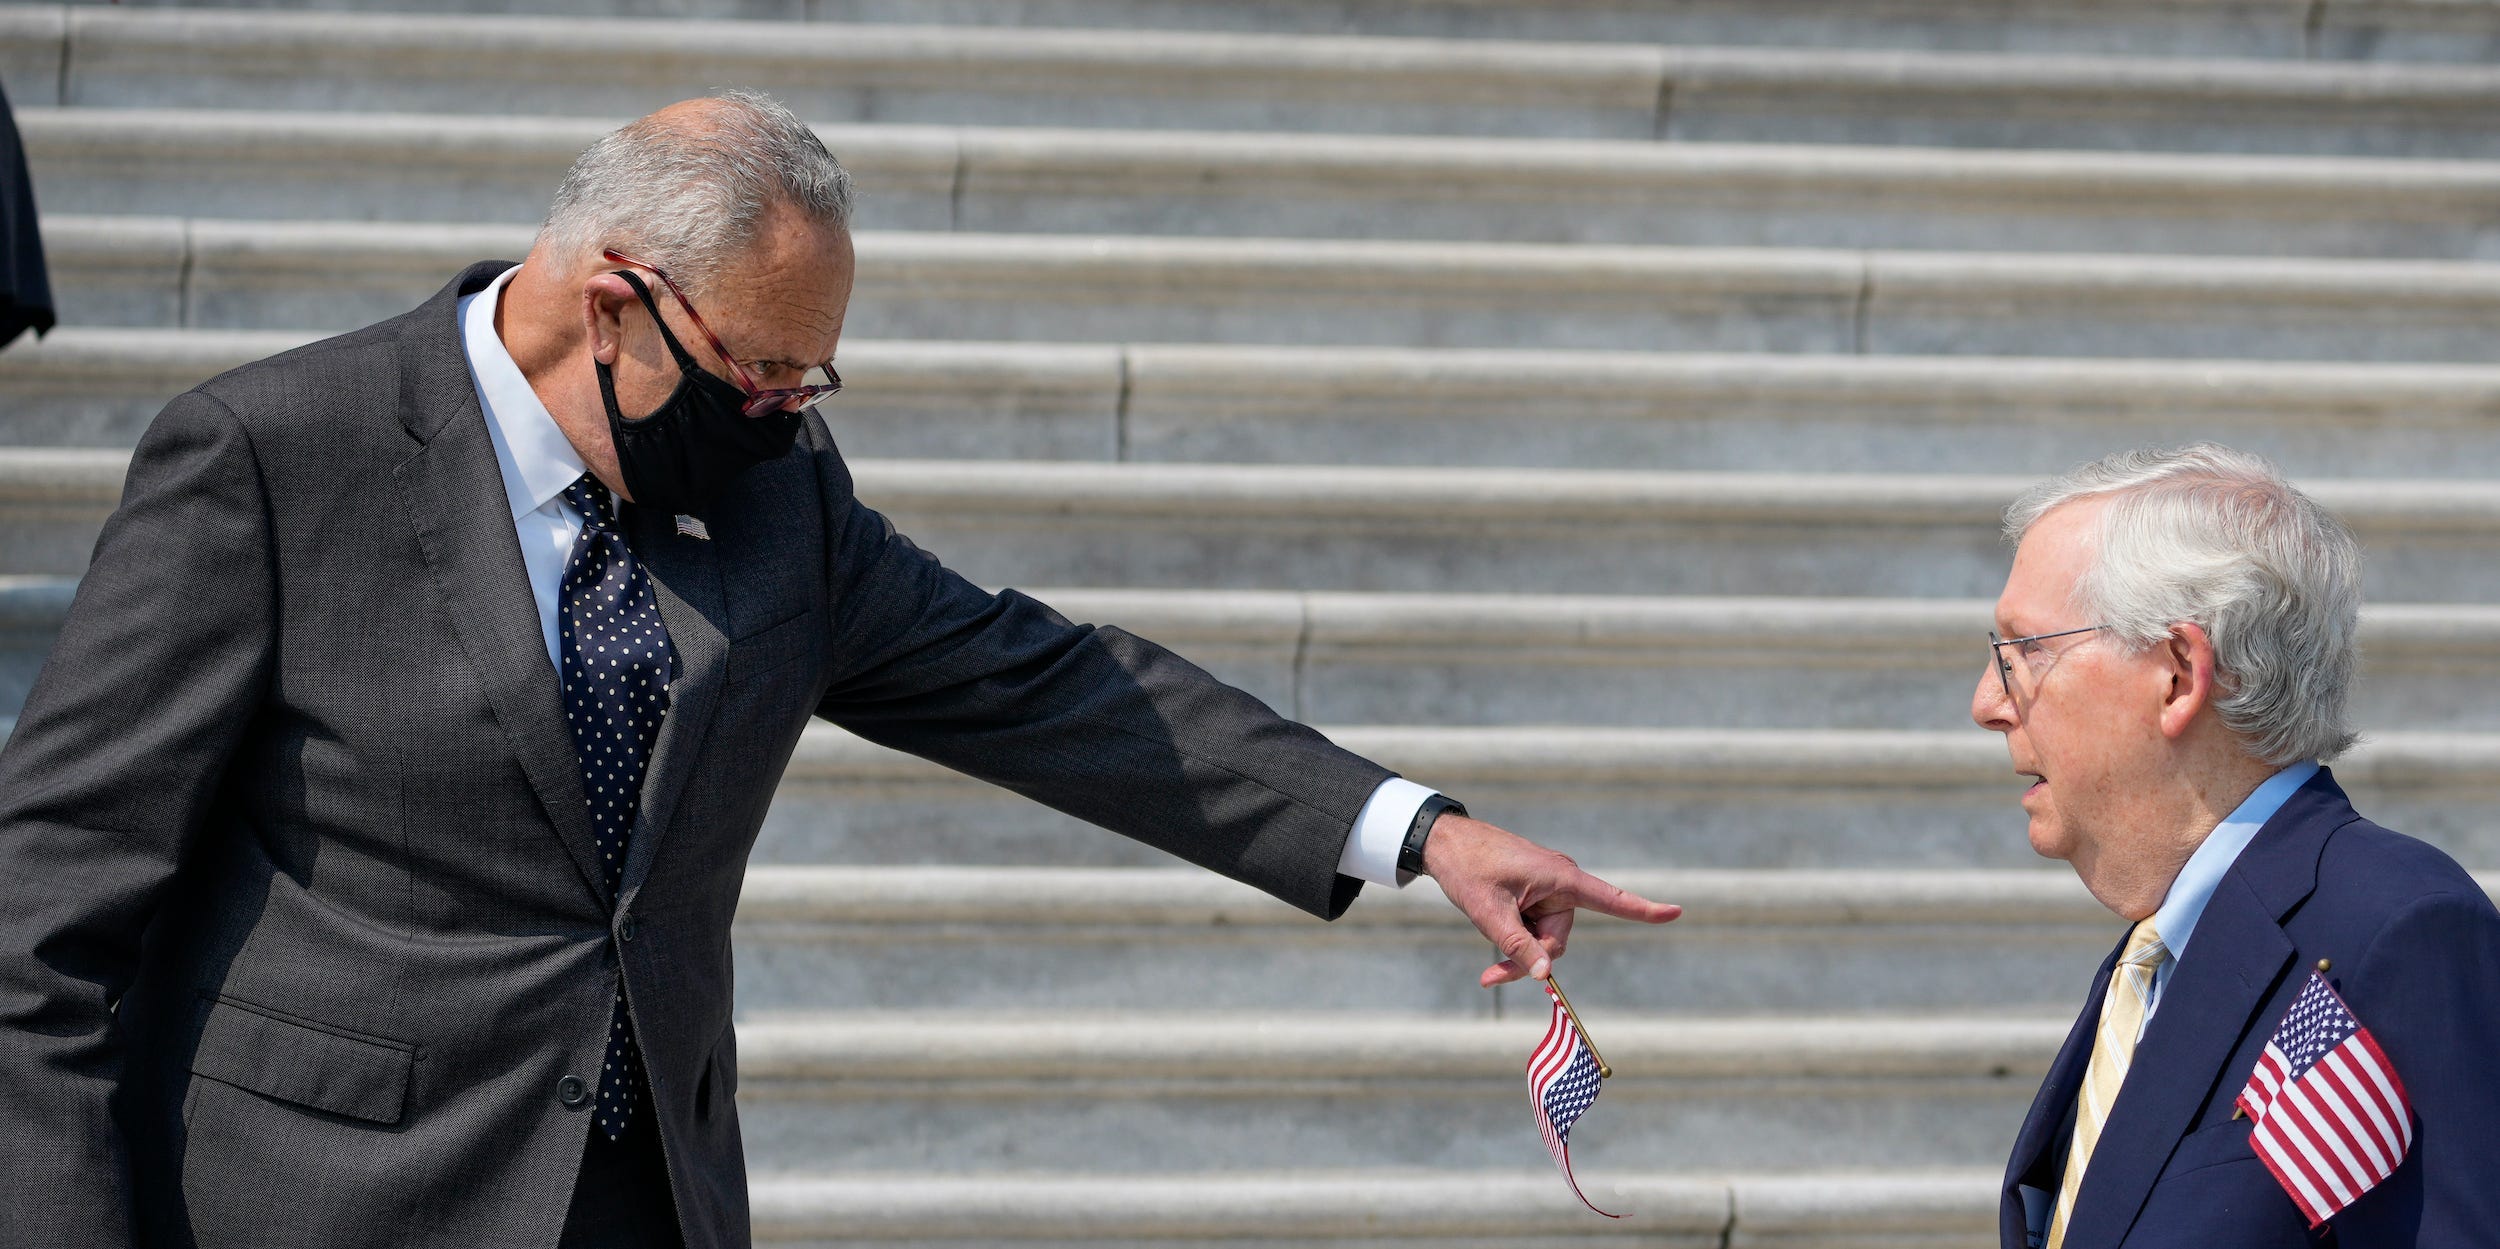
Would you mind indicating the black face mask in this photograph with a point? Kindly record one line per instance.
(698, 440)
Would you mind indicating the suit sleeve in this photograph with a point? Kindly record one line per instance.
(2428, 989)
(103, 787)
(1094, 722)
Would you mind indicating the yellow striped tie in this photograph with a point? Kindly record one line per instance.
(2113, 1048)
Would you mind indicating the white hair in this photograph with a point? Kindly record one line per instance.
(690, 197)
(2216, 537)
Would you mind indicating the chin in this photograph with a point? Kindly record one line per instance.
(2049, 842)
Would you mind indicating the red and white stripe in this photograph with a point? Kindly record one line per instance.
(1550, 1057)
(2334, 1133)
(1562, 1049)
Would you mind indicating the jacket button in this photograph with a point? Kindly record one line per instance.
(629, 928)
(572, 1092)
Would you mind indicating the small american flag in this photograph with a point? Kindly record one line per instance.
(1563, 1080)
(2332, 1118)
(689, 527)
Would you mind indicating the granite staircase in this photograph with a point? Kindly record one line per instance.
(1597, 408)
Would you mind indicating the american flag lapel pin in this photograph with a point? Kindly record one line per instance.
(689, 527)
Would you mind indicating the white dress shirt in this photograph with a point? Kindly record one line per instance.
(538, 462)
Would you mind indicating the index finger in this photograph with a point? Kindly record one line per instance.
(1594, 894)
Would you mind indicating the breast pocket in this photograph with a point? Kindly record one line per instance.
(2227, 1141)
(774, 646)
(303, 1062)
(2216, 1191)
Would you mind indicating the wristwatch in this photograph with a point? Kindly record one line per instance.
(1411, 854)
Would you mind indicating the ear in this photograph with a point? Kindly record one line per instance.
(2186, 660)
(604, 300)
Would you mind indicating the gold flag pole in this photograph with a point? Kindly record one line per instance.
(1604, 1072)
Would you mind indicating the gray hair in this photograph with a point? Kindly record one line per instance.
(2216, 537)
(691, 197)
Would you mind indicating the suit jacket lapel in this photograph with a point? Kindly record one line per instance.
(686, 577)
(2235, 959)
(453, 494)
(2044, 1127)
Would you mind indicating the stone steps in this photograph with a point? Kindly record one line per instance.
(1624, 660)
(1783, 942)
(967, 1021)
(1129, 1092)
(31, 608)
(1176, 939)
(1480, 530)
(476, 169)
(925, 399)
(2325, 29)
(1512, 1208)
(225, 274)
(1191, 80)
(1518, 530)
(2438, 30)
(100, 386)
(1615, 798)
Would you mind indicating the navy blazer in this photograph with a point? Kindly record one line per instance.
(2414, 946)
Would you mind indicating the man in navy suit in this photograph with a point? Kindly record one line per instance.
(2172, 653)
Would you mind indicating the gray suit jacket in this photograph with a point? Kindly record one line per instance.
(300, 926)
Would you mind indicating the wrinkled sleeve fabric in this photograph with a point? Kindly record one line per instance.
(1094, 722)
(2428, 989)
(104, 787)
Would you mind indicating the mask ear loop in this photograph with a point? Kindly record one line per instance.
(686, 366)
(684, 360)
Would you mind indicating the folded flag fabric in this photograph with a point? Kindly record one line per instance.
(1563, 1079)
(2332, 1118)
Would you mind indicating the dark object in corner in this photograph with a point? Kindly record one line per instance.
(25, 291)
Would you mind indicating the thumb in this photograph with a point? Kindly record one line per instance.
(1523, 955)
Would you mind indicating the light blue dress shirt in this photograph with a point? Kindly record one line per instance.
(2176, 921)
(2194, 887)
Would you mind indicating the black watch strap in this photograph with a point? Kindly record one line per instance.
(1411, 854)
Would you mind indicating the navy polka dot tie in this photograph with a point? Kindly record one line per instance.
(617, 664)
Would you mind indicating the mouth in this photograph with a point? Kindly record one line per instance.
(2038, 783)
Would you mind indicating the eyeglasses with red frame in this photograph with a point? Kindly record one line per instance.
(759, 401)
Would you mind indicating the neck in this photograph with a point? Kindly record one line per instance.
(540, 322)
(2206, 793)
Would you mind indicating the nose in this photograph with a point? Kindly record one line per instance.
(1990, 708)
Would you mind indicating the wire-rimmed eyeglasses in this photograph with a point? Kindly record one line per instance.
(759, 401)
(2005, 667)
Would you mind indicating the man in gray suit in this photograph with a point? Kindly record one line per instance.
(369, 845)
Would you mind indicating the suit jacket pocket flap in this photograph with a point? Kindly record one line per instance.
(304, 1063)
(773, 645)
(2213, 1145)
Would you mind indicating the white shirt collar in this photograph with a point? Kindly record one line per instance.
(537, 460)
(2185, 903)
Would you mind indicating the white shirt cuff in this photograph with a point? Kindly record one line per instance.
(1371, 853)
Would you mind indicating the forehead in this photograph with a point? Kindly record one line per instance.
(786, 299)
(2055, 554)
